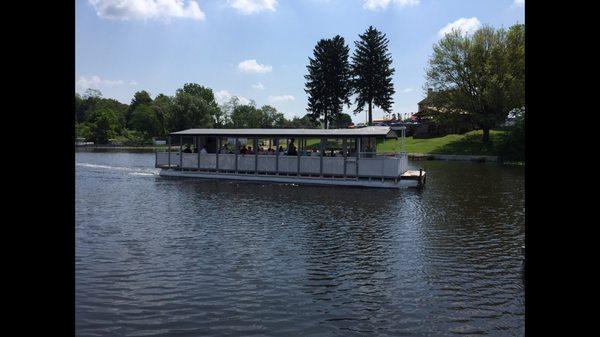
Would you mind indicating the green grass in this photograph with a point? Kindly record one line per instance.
(469, 143)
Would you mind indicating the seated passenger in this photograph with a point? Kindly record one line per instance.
(280, 148)
(314, 152)
(243, 150)
(203, 150)
(270, 150)
(292, 149)
(187, 149)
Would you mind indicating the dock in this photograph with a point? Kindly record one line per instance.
(420, 176)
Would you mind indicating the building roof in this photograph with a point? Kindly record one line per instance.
(370, 131)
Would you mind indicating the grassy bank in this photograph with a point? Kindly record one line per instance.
(466, 144)
(469, 143)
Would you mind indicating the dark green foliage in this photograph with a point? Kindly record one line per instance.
(144, 119)
(513, 146)
(163, 108)
(139, 98)
(249, 116)
(78, 102)
(306, 122)
(342, 121)
(372, 72)
(84, 130)
(245, 116)
(194, 107)
(104, 125)
(328, 81)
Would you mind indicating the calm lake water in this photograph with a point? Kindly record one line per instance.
(169, 257)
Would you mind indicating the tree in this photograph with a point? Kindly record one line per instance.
(225, 112)
(270, 118)
(139, 98)
(194, 107)
(144, 119)
(113, 104)
(482, 74)
(88, 103)
(342, 121)
(163, 109)
(84, 130)
(105, 125)
(78, 102)
(246, 116)
(305, 122)
(328, 81)
(372, 72)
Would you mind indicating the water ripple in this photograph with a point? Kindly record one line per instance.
(168, 257)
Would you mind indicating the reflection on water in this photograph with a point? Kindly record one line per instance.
(158, 256)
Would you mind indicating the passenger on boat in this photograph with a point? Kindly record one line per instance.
(187, 149)
(332, 154)
(280, 148)
(203, 150)
(292, 149)
(250, 150)
(314, 152)
(270, 150)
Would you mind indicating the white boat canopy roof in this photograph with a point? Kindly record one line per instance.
(370, 131)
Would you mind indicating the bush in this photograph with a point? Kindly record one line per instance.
(133, 138)
(512, 147)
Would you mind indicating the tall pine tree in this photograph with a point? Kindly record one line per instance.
(372, 72)
(328, 81)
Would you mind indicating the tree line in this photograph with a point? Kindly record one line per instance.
(482, 74)
(101, 120)
(332, 79)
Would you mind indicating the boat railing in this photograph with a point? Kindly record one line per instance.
(384, 165)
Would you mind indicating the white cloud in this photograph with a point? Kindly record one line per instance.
(251, 66)
(96, 82)
(406, 90)
(258, 86)
(248, 7)
(465, 25)
(223, 96)
(281, 98)
(518, 3)
(147, 9)
(376, 5)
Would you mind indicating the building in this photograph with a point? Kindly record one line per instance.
(436, 122)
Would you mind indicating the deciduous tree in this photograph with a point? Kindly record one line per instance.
(482, 74)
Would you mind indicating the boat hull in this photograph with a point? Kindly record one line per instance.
(283, 179)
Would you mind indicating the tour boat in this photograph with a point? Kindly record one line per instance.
(331, 157)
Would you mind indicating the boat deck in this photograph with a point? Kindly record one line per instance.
(409, 179)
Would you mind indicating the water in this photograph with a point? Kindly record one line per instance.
(169, 257)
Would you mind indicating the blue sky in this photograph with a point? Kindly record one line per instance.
(259, 49)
